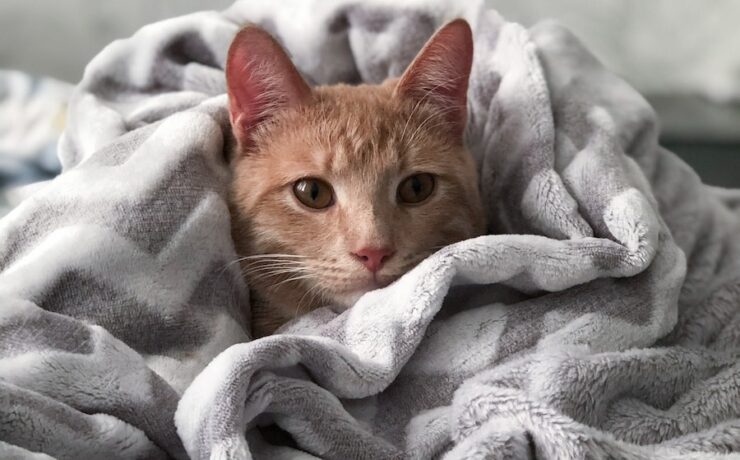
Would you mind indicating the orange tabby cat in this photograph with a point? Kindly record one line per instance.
(338, 190)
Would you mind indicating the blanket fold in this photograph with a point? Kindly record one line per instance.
(599, 319)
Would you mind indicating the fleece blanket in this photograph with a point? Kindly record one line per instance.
(598, 319)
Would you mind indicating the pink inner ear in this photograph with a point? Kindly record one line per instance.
(260, 79)
(439, 73)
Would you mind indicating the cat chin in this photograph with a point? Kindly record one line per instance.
(348, 298)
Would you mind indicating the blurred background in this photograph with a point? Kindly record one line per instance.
(684, 56)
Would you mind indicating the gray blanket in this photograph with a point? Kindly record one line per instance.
(599, 319)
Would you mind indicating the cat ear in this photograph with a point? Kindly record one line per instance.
(439, 73)
(260, 79)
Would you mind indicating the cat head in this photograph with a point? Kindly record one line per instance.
(341, 189)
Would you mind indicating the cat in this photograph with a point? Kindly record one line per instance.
(338, 189)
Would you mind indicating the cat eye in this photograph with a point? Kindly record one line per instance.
(415, 189)
(314, 193)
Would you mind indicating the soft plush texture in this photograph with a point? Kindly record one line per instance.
(599, 320)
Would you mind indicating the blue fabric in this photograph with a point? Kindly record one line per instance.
(32, 116)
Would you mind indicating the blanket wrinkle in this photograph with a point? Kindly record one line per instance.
(600, 318)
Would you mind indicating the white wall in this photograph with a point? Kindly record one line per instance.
(660, 46)
(58, 37)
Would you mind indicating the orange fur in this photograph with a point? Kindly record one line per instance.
(363, 140)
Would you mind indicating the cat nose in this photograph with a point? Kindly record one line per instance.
(373, 258)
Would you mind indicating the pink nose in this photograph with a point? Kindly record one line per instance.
(373, 258)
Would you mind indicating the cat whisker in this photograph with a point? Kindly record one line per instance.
(302, 261)
(321, 271)
(314, 290)
(275, 273)
(431, 128)
(427, 94)
(291, 279)
(416, 107)
(260, 257)
(274, 268)
(408, 120)
(433, 116)
(272, 255)
(278, 260)
(266, 264)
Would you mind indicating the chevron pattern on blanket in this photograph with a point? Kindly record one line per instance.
(598, 320)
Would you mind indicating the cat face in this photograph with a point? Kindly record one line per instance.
(341, 189)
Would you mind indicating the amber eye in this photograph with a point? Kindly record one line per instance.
(314, 193)
(415, 189)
